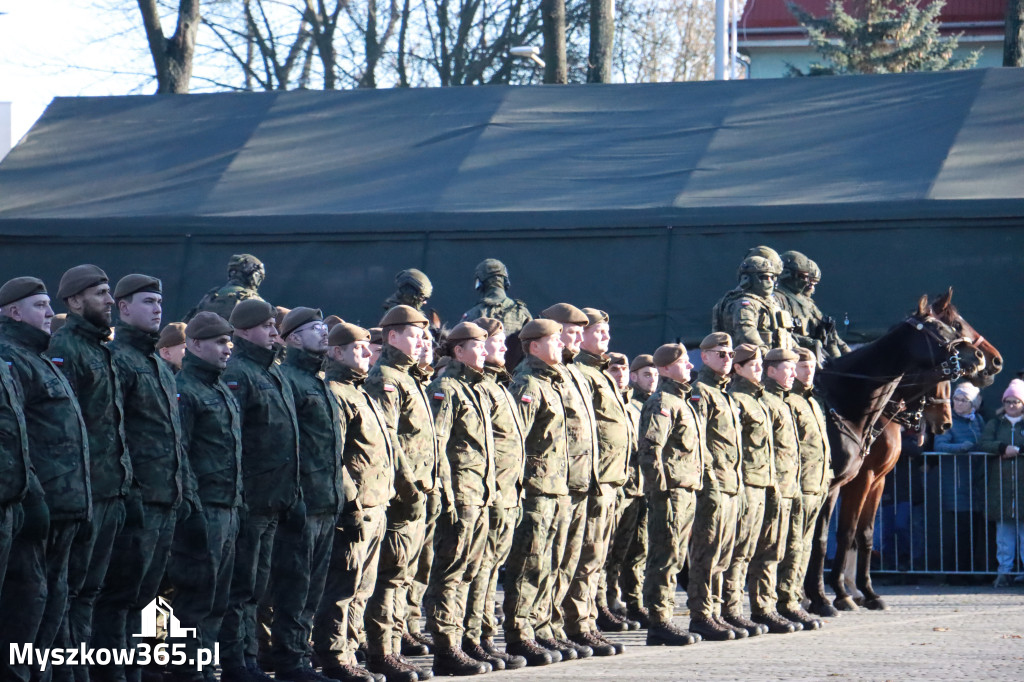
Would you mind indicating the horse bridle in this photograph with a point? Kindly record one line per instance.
(950, 368)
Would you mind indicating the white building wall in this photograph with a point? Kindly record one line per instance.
(5, 128)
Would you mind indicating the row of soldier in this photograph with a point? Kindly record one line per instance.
(354, 478)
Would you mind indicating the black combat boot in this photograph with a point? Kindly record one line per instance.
(669, 634)
(454, 661)
(425, 639)
(534, 653)
(640, 615)
(609, 622)
(777, 625)
(740, 621)
(600, 647)
(582, 650)
(798, 615)
(710, 629)
(567, 653)
(511, 662)
(739, 633)
(391, 668)
(422, 672)
(350, 673)
(619, 648)
(477, 653)
(411, 646)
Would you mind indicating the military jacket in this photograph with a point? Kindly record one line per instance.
(151, 423)
(15, 465)
(367, 454)
(222, 300)
(80, 350)
(407, 410)
(581, 434)
(784, 438)
(495, 304)
(673, 446)
(634, 485)
(749, 318)
(807, 321)
(211, 432)
(509, 443)
(537, 390)
(58, 444)
(270, 434)
(723, 429)
(815, 453)
(321, 432)
(462, 421)
(755, 432)
(610, 418)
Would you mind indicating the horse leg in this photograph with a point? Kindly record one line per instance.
(814, 580)
(865, 537)
(849, 511)
(850, 577)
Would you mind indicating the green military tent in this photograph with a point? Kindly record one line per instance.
(637, 199)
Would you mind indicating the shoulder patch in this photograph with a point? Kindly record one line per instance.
(233, 385)
(664, 412)
(389, 388)
(526, 399)
(694, 398)
(439, 396)
(744, 302)
(57, 361)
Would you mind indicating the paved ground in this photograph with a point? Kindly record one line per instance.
(928, 633)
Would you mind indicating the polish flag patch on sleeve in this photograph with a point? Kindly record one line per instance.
(664, 412)
(57, 361)
(527, 399)
(233, 385)
(694, 398)
(439, 396)
(389, 388)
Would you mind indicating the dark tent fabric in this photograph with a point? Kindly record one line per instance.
(637, 199)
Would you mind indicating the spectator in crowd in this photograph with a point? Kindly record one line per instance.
(1002, 438)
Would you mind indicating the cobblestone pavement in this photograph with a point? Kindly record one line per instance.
(928, 633)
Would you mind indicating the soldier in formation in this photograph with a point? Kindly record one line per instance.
(492, 283)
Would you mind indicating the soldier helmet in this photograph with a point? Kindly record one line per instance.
(756, 265)
(814, 270)
(489, 267)
(247, 268)
(794, 262)
(769, 253)
(415, 279)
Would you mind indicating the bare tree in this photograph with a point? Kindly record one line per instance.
(602, 38)
(1013, 43)
(664, 40)
(172, 56)
(553, 19)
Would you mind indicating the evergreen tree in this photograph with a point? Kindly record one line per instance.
(879, 36)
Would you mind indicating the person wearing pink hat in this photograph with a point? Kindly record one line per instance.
(1003, 437)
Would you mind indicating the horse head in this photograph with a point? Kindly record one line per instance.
(980, 360)
(938, 412)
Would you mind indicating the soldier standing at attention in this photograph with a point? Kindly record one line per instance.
(643, 379)
(536, 388)
(509, 460)
(412, 289)
(81, 353)
(376, 343)
(676, 464)
(162, 477)
(270, 479)
(750, 313)
(492, 283)
(16, 472)
(404, 402)
(203, 550)
(171, 345)
(305, 555)
(245, 275)
(369, 461)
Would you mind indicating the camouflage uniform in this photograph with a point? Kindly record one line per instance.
(758, 477)
(15, 466)
(369, 459)
(815, 477)
(80, 351)
(203, 550)
(509, 460)
(36, 586)
(245, 274)
(537, 389)
(495, 303)
(714, 524)
(273, 498)
(676, 464)
(749, 318)
(411, 426)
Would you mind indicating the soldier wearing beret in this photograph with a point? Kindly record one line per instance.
(412, 289)
(16, 468)
(59, 498)
(411, 425)
(245, 275)
(714, 524)
(643, 379)
(509, 460)
(321, 436)
(750, 313)
(376, 344)
(171, 345)
(203, 553)
(270, 478)
(537, 390)
(674, 456)
(492, 283)
(613, 450)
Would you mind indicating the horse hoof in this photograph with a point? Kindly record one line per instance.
(845, 604)
(823, 609)
(859, 601)
(875, 604)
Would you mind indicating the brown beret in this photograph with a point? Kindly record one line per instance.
(133, 284)
(668, 353)
(345, 333)
(776, 355)
(744, 352)
(19, 288)
(331, 321)
(641, 361)
(280, 312)
(209, 325)
(78, 279)
(565, 313)
(617, 359)
(715, 339)
(252, 312)
(171, 335)
(489, 325)
(538, 329)
(376, 335)
(806, 354)
(403, 314)
(466, 331)
(58, 321)
(297, 317)
(595, 316)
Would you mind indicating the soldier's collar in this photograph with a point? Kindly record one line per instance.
(712, 378)
(206, 372)
(25, 334)
(585, 357)
(743, 383)
(83, 327)
(304, 360)
(137, 338)
(261, 356)
(773, 387)
(343, 373)
(395, 358)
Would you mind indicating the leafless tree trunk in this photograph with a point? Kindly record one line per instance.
(403, 31)
(1013, 43)
(602, 39)
(172, 56)
(553, 18)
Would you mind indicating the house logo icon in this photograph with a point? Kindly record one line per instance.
(155, 611)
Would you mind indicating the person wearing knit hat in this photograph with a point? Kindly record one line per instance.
(1003, 437)
(171, 344)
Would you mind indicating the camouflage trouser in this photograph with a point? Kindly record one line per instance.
(351, 576)
(794, 561)
(458, 553)
(200, 568)
(529, 564)
(87, 568)
(8, 512)
(580, 605)
(624, 570)
(812, 505)
(748, 530)
(480, 620)
(711, 545)
(570, 526)
(416, 583)
(385, 610)
(669, 522)
(771, 544)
